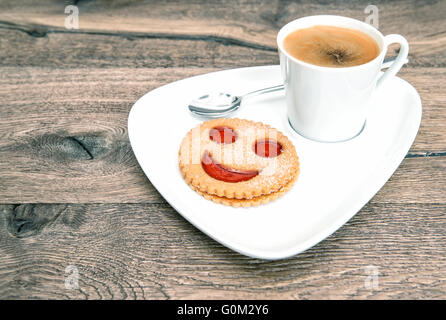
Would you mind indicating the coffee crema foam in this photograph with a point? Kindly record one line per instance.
(330, 46)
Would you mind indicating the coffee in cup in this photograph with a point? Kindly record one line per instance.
(331, 46)
(331, 66)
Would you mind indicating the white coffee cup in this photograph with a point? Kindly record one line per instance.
(330, 104)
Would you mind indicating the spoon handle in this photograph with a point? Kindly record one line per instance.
(386, 64)
(264, 90)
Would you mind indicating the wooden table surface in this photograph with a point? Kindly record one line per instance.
(73, 198)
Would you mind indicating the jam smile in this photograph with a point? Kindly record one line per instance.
(222, 173)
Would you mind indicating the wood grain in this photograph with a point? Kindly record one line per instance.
(252, 24)
(148, 252)
(67, 130)
(72, 193)
(77, 50)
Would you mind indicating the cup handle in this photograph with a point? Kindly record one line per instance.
(401, 59)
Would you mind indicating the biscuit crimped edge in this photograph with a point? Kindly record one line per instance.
(196, 177)
(263, 199)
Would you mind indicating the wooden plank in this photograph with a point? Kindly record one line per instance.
(65, 100)
(433, 127)
(149, 252)
(60, 94)
(251, 25)
(68, 50)
(63, 136)
(416, 181)
(62, 50)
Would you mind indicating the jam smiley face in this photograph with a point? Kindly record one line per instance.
(266, 148)
(237, 159)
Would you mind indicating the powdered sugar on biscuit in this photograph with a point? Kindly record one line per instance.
(274, 172)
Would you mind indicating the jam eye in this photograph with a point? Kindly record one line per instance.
(222, 135)
(267, 148)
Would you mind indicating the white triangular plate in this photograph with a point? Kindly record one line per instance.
(335, 182)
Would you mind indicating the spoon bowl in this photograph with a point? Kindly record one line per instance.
(215, 105)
